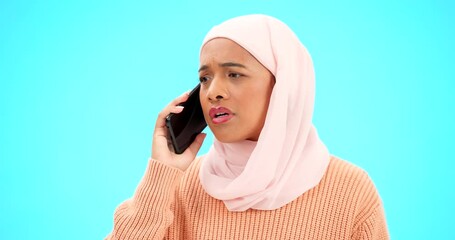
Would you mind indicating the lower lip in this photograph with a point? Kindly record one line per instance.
(221, 119)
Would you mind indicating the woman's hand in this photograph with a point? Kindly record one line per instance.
(161, 149)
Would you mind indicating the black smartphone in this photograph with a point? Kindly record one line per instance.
(183, 127)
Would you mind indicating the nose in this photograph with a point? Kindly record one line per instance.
(217, 90)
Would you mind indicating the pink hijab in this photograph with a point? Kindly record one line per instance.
(289, 158)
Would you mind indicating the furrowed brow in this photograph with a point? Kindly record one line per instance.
(231, 64)
(203, 67)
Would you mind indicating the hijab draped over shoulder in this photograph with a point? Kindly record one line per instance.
(289, 158)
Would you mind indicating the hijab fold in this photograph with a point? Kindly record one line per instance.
(289, 158)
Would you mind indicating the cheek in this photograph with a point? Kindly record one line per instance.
(204, 105)
(254, 105)
(261, 102)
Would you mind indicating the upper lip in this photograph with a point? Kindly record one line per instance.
(217, 110)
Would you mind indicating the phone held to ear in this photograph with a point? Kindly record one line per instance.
(183, 127)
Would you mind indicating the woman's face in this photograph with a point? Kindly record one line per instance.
(235, 91)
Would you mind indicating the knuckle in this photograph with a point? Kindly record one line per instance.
(162, 114)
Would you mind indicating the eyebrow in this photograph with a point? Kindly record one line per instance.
(226, 64)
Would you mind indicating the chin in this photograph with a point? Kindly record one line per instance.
(226, 137)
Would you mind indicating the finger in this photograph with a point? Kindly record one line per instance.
(182, 98)
(162, 130)
(171, 107)
(177, 109)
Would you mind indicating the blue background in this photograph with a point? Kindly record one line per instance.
(81, 84)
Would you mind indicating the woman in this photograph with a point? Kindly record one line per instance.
(267, 174)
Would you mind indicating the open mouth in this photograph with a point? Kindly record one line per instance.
(220, 115)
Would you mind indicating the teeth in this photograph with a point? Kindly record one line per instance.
(220, 114)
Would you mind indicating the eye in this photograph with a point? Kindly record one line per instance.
(234, 75)
(203, 79)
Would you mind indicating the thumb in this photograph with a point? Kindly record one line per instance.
(197, 143)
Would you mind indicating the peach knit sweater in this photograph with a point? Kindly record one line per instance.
(171, 204)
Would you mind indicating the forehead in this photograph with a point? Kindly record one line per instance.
(223, 49)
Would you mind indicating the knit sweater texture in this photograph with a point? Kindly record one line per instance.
(171, 204)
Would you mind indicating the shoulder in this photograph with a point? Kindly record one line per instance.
(342, 171)
(357, 182)
(362, 195)
(351, 183)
